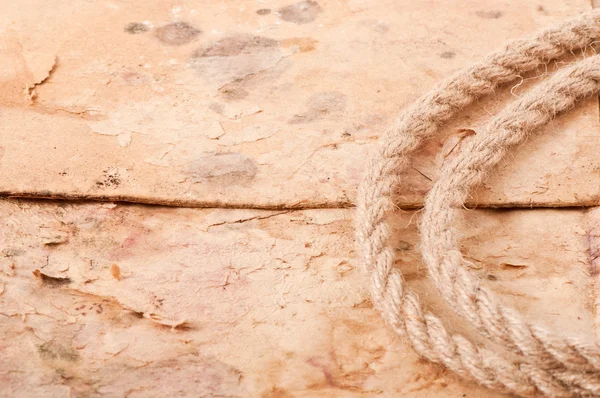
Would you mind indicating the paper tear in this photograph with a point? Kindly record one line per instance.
(41, 66)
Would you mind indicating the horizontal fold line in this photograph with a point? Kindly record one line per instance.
(301, 205)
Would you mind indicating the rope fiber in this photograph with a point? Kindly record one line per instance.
(537, 362)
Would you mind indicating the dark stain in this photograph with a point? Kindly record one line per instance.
(177, 33)
(300, 13)
(236, 45)
(52, 351)
(51, 281)
(263, 11)
(224, 167)
(542, 10)
(492, 14)
(110, 178)
(135, 28)
(447, 55)
(491, 277)
(321, 105)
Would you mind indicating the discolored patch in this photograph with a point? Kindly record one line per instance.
(492, 14)
(304, 44)
(381, 28)
(232, 92)
(301, 13)
(321, 105)
(263, 11)
(135, 28)
(134, 79)
(229, 168)
(233, 58)
(447, 55)
(177, 33)
(54, 351)
(236, 45)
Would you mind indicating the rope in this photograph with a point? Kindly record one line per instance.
(546, 364)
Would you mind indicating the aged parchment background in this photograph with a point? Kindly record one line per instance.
(254, 117)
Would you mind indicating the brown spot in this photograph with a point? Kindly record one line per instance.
(301, 13)
(491, 277)
(115, 271)
(52, 281)
(110, 178)
(224, 167)
(236, 45)
(304, 44)
(321, 105)
(135, 28)
(492, 14)
(177, 33)
(263, 11)
(447, 55)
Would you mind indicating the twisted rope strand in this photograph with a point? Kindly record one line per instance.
(400, 307)
(467, 170)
